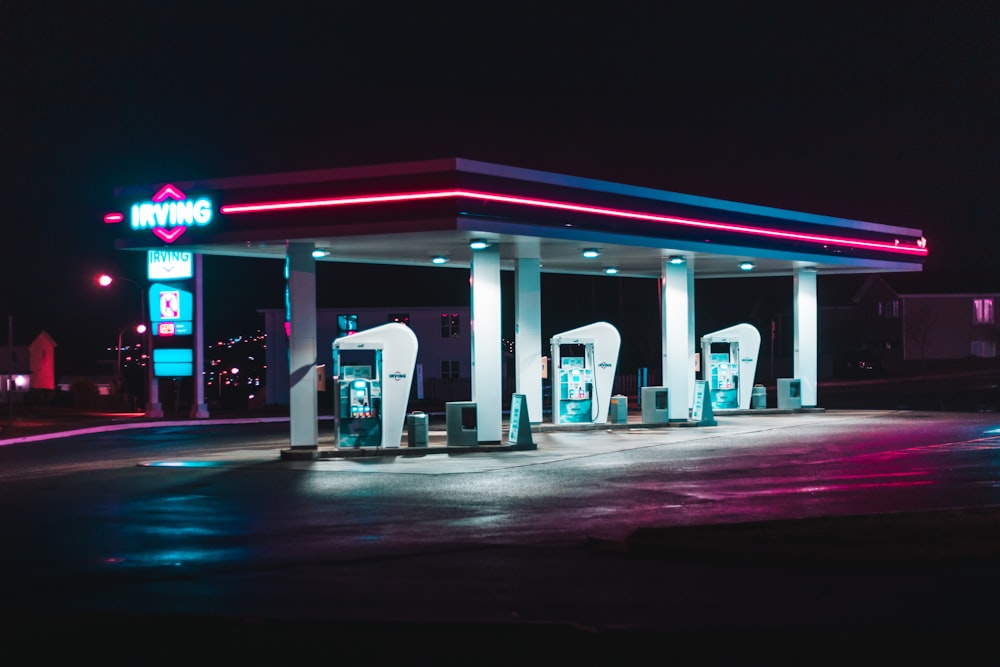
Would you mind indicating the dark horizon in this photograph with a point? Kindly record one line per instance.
(878, 114)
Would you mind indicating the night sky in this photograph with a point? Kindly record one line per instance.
(885, 112)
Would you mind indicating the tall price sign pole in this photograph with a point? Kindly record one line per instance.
(199, 409)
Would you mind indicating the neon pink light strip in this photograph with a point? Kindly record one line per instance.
(113, 218)
(897, 247)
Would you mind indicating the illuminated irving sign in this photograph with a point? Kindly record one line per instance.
(168, 215)
(169, 264)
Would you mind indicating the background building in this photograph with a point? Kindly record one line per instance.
(443, 371)
(879, 329)
(27, 368)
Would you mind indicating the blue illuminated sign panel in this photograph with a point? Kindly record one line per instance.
(173, 362)
(171, 310)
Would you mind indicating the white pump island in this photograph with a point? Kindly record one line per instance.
(373, 370)
(584, 361)
(729, 363)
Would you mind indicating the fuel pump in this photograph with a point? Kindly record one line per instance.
(729, 363)
(724, 375)
(576, 387)
(584, 360)
(360, 402)
(374, 371)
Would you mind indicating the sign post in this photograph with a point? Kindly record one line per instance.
(701, 411)
(520, 426)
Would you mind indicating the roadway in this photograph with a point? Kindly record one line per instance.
(850, 534)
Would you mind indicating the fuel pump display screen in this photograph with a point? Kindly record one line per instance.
(360, 399)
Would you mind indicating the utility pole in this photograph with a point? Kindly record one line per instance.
(10, 370)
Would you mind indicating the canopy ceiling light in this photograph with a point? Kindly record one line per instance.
(591, 253)
(746, 266)
(439, 260)
(611, 270)
(479, 244)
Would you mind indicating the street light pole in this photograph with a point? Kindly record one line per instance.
(119, 376)
(153, 406)
(120, 373)
(10, 370)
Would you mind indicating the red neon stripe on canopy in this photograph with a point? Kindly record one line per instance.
(896, 247)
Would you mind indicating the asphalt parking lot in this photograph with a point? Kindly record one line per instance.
(765, 532)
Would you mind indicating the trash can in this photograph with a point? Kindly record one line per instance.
(758, 398)
(619, 409)
(654, 405)
(789, 393)
(416, 429)
(462, 423)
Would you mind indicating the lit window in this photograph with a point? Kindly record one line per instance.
(984, 348)
(449, 371)
(888, 310)
(346, 325)
(450, 325)
(982, 311)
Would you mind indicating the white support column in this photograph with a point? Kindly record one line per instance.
(199, 409)
(806, 327)
(676, 339)
(487, 380)
(692, 342)
(528, 334)
(304, 411)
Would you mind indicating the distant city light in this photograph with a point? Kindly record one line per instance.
(234, 367)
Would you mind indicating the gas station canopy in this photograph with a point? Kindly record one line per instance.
(408, 214)
(487, 218)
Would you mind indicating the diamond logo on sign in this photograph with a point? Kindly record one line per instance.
(170, 305)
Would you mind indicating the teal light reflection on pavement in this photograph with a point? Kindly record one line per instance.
(183, 464)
